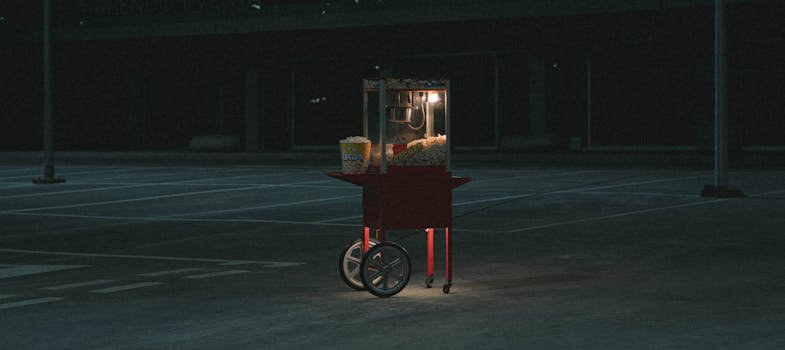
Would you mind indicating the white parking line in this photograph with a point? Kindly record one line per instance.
(130, 200)
(29, 302)
(221, 184)
(217, 274)
(125, 287)
(175, 195)
(495, 199)
(78, 285)
(153, 218)
(766, 193)
(9, 271)
(150, 257)
(585, 189)
(530, 175)
(612, 216)
(41, 194)
(66, 174)
(271, 264)
(575, 190)
(268, 206)
(626, 193)
(6, 296)
(353, 217)
(15, 170)
(169, 272)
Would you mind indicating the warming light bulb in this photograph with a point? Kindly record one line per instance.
(433, 97)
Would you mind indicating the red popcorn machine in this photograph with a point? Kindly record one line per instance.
(402, 164)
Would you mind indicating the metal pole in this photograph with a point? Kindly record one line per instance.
(292, 110)
(383, 126)
(588, 100)
(496, 101)
(448, 127)
(48, 142)
(720, 186)
(720, 98)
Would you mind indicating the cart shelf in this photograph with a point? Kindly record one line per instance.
(406, 197)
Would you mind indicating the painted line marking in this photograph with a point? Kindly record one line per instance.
(67, 174)
(225, 184)
(270, 264)
(353, 217)
(533, 174)
(653, 194)
(164, 219)
(6, 296)
(632, 184)
(576, 190)
(41, 194)
(169, 272)
(766, 193)
(496, 199)
(14, 170)
(29, 302)
(149, 257)
(10, 271)
(78, 285)
(268, 206)
(254, 176)
(131, 200)
(125, 287)
(613, 216)
(217, 274)
(211, 180)
(174, 195)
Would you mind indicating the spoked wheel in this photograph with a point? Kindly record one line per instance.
(385, 269)
(349, 263)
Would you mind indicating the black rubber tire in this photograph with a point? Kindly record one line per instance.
(352, 280)
(376, 281)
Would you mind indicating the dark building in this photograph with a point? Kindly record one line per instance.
(525, 74)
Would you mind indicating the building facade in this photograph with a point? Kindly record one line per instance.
(286, 75)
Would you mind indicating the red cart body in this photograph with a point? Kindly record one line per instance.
(406, 197)
(409, 198)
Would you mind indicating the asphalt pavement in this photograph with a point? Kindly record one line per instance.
(223, 255)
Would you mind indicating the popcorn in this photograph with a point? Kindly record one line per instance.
(355, 139)
(427, 151)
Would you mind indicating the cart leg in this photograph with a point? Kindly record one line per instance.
(366, 239)
(448, 260)
(429, 280)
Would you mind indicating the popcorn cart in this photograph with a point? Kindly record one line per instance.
(403, 165)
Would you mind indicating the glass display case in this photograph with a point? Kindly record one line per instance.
(409, 120)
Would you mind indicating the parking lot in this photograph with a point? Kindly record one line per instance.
(244, 256)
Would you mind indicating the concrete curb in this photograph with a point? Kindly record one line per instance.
(665, 159)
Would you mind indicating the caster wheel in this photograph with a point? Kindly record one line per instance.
(429, 282)
(349, 263)
(385, 269)
(446, 288)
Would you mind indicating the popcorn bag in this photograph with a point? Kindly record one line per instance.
(355, 155)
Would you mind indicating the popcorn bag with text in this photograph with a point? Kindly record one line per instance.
(355, 155)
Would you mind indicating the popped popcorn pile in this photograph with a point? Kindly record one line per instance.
(427, 151)
(355, 139)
